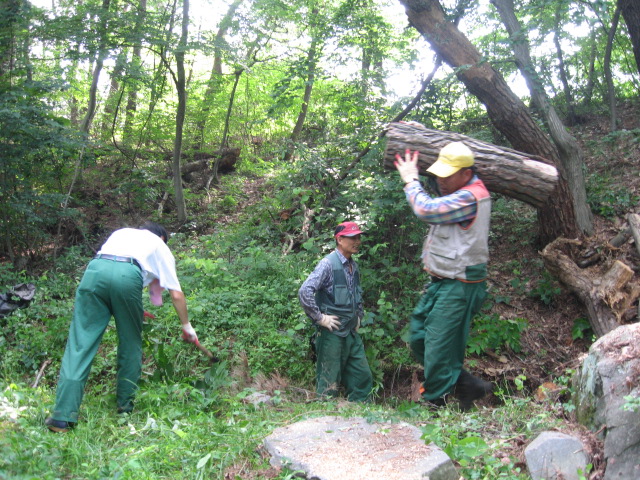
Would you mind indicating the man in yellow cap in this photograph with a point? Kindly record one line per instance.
(455, 254)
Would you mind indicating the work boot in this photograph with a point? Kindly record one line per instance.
(469, 389)
(58, 426)
(128, 408)
(432, 404)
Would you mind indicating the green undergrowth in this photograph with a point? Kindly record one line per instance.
(192, 419)
(181, 431)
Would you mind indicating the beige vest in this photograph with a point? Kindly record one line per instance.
(450, 249)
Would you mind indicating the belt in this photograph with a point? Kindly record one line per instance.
(116, 258)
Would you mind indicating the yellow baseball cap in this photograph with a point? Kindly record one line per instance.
(452, 158)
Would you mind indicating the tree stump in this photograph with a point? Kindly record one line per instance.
(606, 295)
(503, 170)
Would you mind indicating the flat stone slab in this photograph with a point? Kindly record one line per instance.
(336, 448)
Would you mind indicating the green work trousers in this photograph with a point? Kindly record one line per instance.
(439, 330)
(342, 361)
(107, 288)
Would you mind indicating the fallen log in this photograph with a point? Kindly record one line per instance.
(606, 295)
(503, 170)
(203, 161)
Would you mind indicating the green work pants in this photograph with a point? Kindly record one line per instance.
(107, 288)
(439, 330)
(342, 361)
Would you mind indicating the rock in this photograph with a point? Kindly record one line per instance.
(258, 398)
(556, 456)
(610, 372)
(335, 448)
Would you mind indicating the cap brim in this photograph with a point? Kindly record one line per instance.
(441, 169)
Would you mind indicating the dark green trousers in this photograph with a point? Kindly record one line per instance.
(107, 288)
(342, 361)
(439, 331)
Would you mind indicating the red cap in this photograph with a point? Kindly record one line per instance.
(349, 229)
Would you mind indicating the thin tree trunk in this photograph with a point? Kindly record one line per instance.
(136, 61)
(112, 100)
(562, 70)
(569, 151)
(223, 143)
(504, 108)
(611, 92)
(216, 74)
(85, 126)
(311, 64)
(591, 74)
(11, 17)
(180, 114)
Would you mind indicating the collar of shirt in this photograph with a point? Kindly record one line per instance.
(347, 263)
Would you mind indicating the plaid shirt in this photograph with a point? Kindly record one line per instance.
(458, 207)
(322, 279)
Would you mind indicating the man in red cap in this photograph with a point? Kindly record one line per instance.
(455, 254)
(332, 298)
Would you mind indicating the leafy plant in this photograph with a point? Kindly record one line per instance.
(581, 329)
(631, 403)
(608, 200)
(493, 332)
(546, 289)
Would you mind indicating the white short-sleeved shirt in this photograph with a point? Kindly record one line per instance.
(153, 255)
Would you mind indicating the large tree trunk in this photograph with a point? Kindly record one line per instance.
(631, 14)
(505, 109)
(569, 152)
(503, 170)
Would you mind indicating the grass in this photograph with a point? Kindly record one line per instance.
(175, 433)
(192, 421)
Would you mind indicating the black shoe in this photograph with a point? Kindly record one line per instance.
(58, 426)
(128, 408)
(468, 389)
(434, 404)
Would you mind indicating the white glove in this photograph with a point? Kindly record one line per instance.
(330, 322)
(408, 168)
(189, 334)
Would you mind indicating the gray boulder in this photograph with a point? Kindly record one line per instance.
(556, 456)
(610, 372)
(335, 448)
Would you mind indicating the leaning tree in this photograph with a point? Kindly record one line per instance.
(507, 112)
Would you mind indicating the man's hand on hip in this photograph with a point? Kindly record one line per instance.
(330, 322)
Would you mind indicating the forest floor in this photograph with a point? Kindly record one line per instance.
(549, 347)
